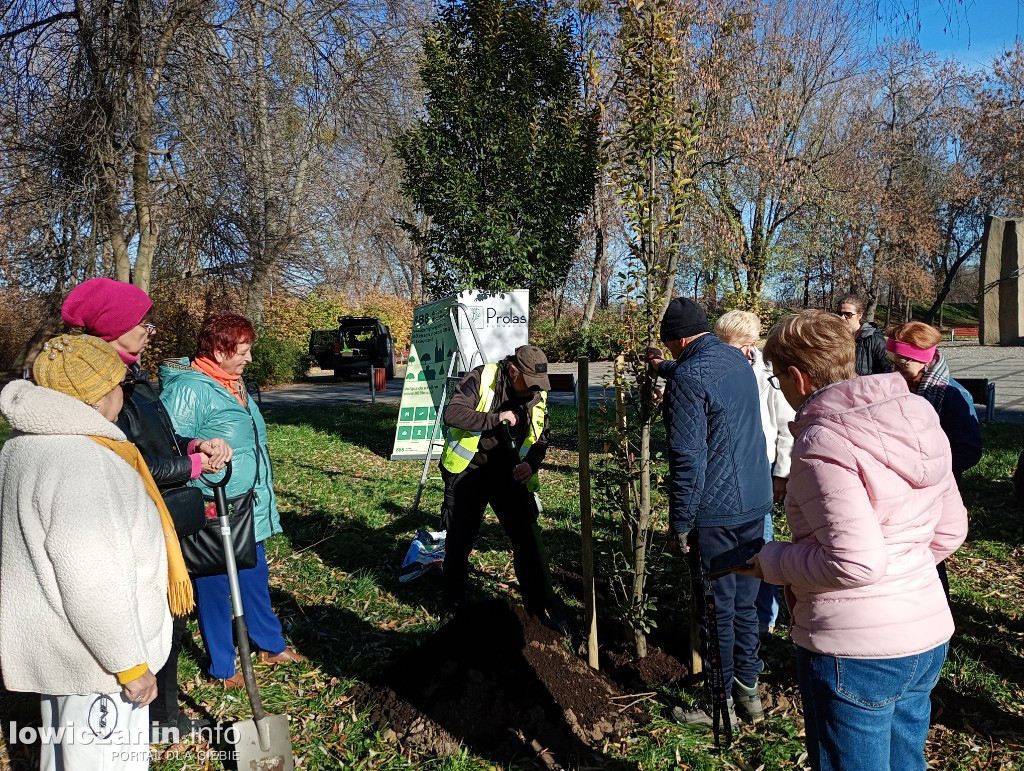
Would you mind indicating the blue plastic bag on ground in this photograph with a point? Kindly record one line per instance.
(425, 552)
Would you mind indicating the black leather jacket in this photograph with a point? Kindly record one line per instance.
(146, 424)
(871, 356)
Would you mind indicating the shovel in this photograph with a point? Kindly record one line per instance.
(260, 744)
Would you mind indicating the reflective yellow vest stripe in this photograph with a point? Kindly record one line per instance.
(460, 446)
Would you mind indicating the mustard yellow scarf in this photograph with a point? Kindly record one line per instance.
(179, 587)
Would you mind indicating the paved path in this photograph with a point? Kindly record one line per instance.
(1003, 366)
(320, 389)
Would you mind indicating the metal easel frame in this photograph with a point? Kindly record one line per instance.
(452, 379)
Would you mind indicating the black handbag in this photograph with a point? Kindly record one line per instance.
(187, 510)
(204, 552)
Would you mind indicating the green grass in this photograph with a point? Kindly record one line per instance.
(953, 314)
(345, 510)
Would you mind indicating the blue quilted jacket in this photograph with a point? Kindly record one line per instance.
(718, 468)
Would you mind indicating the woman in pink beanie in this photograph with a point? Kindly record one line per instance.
(120, 314)
(109, 310)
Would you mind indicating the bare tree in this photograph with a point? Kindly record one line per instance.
(84, 84)
(770, 82)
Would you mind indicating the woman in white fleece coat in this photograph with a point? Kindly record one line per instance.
(84, 616)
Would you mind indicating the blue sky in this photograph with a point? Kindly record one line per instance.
(979, 29)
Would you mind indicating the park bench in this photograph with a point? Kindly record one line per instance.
(983, 392)
(564, 383)
(963, 333)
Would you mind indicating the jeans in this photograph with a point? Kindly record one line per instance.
(738, 640)
(768, 594)
(867, 714)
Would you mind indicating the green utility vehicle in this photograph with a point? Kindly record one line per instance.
(358, 343)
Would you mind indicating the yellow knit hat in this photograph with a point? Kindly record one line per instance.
(81, 366)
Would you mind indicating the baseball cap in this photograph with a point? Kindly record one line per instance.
(532, 362)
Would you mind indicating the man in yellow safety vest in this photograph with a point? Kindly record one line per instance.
(496, 435)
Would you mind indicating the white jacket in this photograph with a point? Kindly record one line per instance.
(776, 415)
(83, 566)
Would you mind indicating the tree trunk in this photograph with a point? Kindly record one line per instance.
(142, 140)
(947, 282)
(31, 349)
(872, 305)
(622, 437)
(599, 259)
(262, 242)
(559, 305)
(642, 526)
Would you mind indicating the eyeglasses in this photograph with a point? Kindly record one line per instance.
(773, 381)
(846, 314)
(150, 327)
(128, 385)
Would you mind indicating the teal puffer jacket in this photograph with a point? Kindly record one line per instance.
(201, 407)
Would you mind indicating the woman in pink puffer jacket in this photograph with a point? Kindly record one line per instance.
(873, 506)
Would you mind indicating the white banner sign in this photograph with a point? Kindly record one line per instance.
(499, 321)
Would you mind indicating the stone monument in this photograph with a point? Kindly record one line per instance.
(1001, 306)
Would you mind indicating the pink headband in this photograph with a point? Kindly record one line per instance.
(911, 351)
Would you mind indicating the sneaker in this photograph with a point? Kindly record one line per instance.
(748, 700)
(698, 716)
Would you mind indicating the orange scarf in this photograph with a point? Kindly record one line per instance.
(179, 587)
(233, 383)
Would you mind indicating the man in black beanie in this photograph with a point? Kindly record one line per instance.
(720, 484)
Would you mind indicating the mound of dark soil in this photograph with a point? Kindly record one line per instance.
(502, 684)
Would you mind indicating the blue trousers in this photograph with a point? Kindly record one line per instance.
(213, 607)
(867, 714)
(738, 640)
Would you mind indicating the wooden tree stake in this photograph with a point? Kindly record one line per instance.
(586, 515)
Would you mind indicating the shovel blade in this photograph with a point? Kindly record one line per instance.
(248, 754)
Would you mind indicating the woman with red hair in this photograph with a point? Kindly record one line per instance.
(206, 396)
(913, 349)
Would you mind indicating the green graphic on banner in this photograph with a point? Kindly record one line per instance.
(430, 352)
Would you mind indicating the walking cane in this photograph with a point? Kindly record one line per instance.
(714, 676)
(713, 672)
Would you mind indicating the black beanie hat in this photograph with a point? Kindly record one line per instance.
(683, 318)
